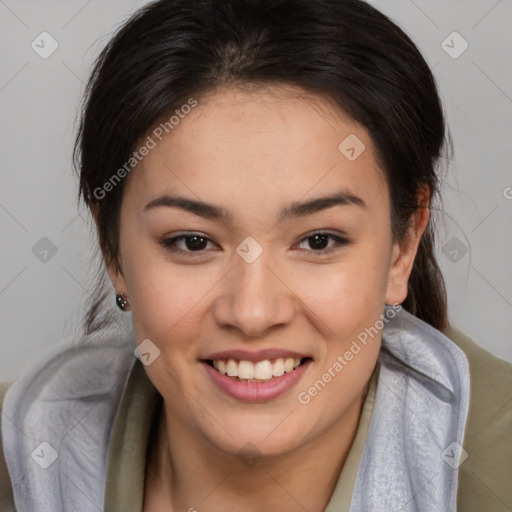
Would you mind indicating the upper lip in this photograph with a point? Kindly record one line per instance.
(260, 355)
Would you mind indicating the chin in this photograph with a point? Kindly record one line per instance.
(260, 442)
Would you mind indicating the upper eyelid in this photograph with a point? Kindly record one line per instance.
(307, 235)
(184, 235)
(340, 234)
(338, 238)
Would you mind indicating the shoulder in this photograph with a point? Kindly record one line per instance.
(6, 496)
(67, 400)
(484, 477)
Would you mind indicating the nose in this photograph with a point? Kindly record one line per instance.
(254, 299)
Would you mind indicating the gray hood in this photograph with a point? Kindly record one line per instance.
(58, 417)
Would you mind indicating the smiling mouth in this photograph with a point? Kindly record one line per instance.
(261, 371)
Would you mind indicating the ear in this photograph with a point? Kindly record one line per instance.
(116, 277)
(404, 252)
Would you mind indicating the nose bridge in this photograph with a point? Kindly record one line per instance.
(254, 299)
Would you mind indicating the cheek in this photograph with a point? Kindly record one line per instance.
(168, 301)
(349, 300)
(168, 309)
(347, 295)
(165, 299)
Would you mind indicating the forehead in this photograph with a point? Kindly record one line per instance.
(261, 146)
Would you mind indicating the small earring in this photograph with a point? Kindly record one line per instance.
(121, 301)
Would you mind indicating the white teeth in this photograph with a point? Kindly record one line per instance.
(263, 370)
(260, 371)
(232, 368)
(288, 365)
(278, 367)
(245, 370)
(221, 367)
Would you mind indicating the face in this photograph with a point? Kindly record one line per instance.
(247, 234)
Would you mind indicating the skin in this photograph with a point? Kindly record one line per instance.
(253, 153)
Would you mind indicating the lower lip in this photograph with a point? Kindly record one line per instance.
(257, 391)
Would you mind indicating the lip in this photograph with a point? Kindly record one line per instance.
(254, 357)
(255, 391)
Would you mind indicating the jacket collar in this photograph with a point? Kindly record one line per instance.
(414, 443)
(58, 417)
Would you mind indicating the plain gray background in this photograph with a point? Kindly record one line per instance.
(42, 295)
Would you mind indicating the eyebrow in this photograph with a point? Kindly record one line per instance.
(301, 209)
(296, 209)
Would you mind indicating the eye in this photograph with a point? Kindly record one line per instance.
(323, 242)
(187, 243)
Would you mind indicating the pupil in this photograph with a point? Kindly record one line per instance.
(318, 241)
(195, 242)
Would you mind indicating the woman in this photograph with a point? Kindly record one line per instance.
(261, 175)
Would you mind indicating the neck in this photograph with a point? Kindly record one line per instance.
(186, 472)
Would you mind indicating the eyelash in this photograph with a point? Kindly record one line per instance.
(170, 243)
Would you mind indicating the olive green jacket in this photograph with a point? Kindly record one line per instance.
(485, 477)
